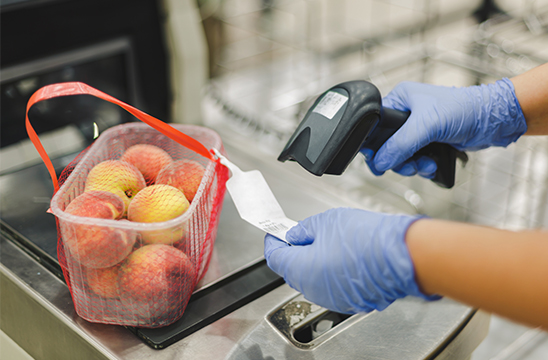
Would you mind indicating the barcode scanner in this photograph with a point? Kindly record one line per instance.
(348, 117)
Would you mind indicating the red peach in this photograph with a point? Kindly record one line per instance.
(185, 175)
(149, 159)
(97, 204)
(92, 245)
(104, 282)
(155, 283)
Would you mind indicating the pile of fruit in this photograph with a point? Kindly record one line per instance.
(148, 271)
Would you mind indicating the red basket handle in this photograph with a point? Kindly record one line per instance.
(78, 88)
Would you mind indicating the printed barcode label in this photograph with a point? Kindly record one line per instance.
(272, 227)
(330, 104)
(255, 202)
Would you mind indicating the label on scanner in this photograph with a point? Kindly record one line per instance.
(330, 104)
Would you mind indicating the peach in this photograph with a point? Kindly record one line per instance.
(149, 159)
(92, 245)
(118, 177)
(185, 175)
(104, 282)
(97, 204)
(158, 203)
(155, 283)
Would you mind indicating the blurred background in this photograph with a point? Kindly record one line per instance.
(270, 59)
(251, 69)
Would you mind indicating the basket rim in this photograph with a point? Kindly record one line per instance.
(124, 223)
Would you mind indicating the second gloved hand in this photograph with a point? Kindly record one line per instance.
(468, 118)
(347, 260)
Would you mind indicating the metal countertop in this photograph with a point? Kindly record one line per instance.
(37, 310)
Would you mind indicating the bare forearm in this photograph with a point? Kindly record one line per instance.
(499, 271)
(532, 93)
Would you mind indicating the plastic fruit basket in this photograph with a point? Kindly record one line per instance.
(127, 272)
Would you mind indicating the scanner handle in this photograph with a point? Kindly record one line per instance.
(444, 155)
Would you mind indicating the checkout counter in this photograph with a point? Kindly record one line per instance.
(241, 309)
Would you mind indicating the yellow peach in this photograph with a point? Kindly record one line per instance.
(118, 177)
(159, 203)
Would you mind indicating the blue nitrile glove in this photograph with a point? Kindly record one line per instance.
(347, 260)
(468, 118)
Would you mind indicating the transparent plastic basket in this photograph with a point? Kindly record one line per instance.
(116, 272)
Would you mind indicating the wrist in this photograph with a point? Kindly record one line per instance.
(495, 113)
(407, 272)
(531, 91)
(505, 113)
(416, 241)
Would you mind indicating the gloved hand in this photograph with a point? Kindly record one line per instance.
(468, 118)
(347, 260)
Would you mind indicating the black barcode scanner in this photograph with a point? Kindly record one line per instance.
(348, 117)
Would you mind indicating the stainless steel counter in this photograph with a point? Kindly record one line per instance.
(37, 310)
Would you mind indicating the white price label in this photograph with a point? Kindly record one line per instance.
(255, 202)
(330, 104)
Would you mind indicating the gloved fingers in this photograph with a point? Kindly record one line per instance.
(397, 98)
(285, 260)
(426, 167)
(274, 252)
(299, 235)
(357, 262)
(305, 232)
(369, 155)
(407, 168)
(402, 145)
(422, 165)
(373, 169)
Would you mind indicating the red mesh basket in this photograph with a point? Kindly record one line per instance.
(137, 215)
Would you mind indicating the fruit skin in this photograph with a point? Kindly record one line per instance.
(104, 282)
(118, 177)
(92, 245)
(149, 159)
(155, 283)
(158, 203)
(97, 204)
(185, 175)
